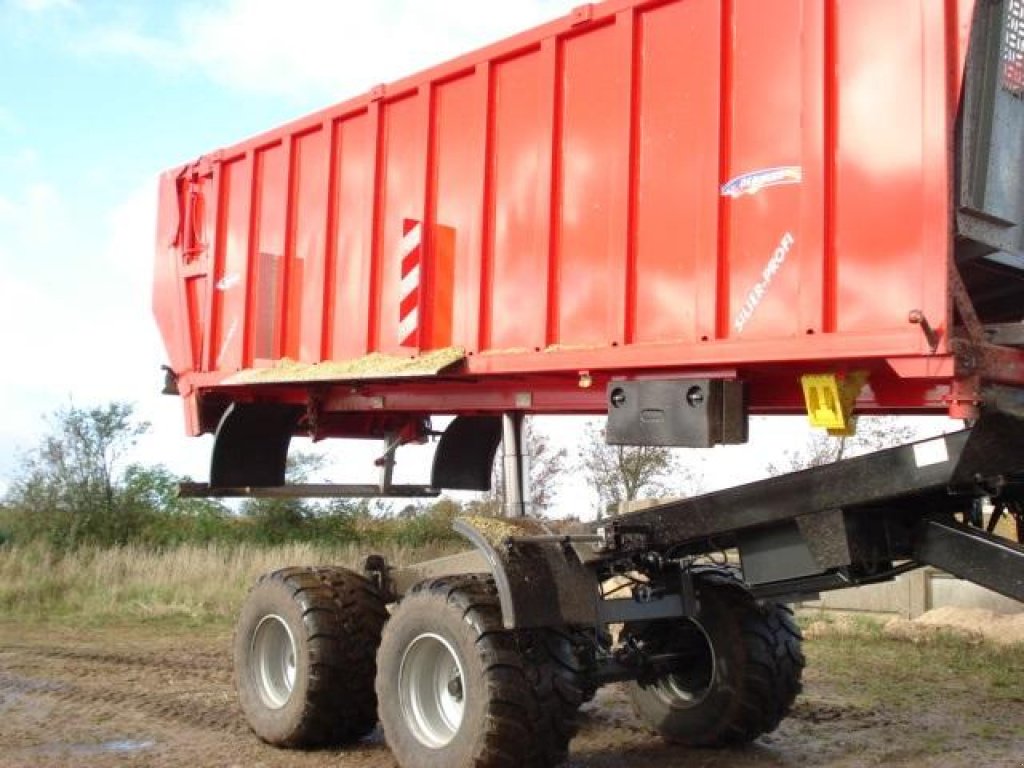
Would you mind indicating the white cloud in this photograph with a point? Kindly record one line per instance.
(123, 317)
(37, 373)
(33, 375)
(81, 329)
(131, 225)
(29, 219)
(65, 313)
(337, 49)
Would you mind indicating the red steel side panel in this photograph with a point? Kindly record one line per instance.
(232, 256)
(401, 197)
(587, 270)
(304, 323)
(891, 136)
(460, 145)
(518, 220)
(267, 261)
(670, 184)
(675, 190)
(354, 168)
(762, 129)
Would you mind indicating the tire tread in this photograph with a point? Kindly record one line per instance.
(342, 618)
(529, 719)
(770, 658)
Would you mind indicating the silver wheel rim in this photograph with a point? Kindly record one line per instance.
(689, 688)
(431, 690)
(272, 661)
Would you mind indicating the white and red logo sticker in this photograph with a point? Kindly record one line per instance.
(411, 255)
(753, 182)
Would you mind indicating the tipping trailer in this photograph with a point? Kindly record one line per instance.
(677, 213)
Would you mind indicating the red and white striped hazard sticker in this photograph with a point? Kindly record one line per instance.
(411, 252)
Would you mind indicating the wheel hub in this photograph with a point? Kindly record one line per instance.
(691, 684)
(272, 661)
(431, 690)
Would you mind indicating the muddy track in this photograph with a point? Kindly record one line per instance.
(142, 698)
(182, 660)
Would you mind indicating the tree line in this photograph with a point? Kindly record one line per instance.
(79, 486)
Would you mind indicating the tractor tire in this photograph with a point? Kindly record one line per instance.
(560, 686)
(305, 656)
(743, 672)
(458, 690)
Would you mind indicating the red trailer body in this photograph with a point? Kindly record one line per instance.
(723, 188)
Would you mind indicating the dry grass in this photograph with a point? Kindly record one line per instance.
(193, 584)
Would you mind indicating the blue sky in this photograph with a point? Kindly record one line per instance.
(98, 97)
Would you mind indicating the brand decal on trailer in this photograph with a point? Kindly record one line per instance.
(410, 253)
(753, 182)
(759, 291)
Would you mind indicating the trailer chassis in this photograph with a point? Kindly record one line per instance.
(706, 645)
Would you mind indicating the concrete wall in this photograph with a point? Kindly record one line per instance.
(915, 593)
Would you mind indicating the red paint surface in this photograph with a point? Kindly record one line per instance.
(569, 180)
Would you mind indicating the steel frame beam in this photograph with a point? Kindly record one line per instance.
(920, 478)
(989, 561)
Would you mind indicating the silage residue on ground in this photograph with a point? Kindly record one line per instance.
(970, 624)
(977, 623)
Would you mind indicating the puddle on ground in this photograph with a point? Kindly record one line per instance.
(124, 745)
(16, 693)
(115, 747)
(10, 700)
(16, 684)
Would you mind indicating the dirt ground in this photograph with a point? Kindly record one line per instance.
(150, 697)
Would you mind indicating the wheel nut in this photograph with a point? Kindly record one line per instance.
(455, 688)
